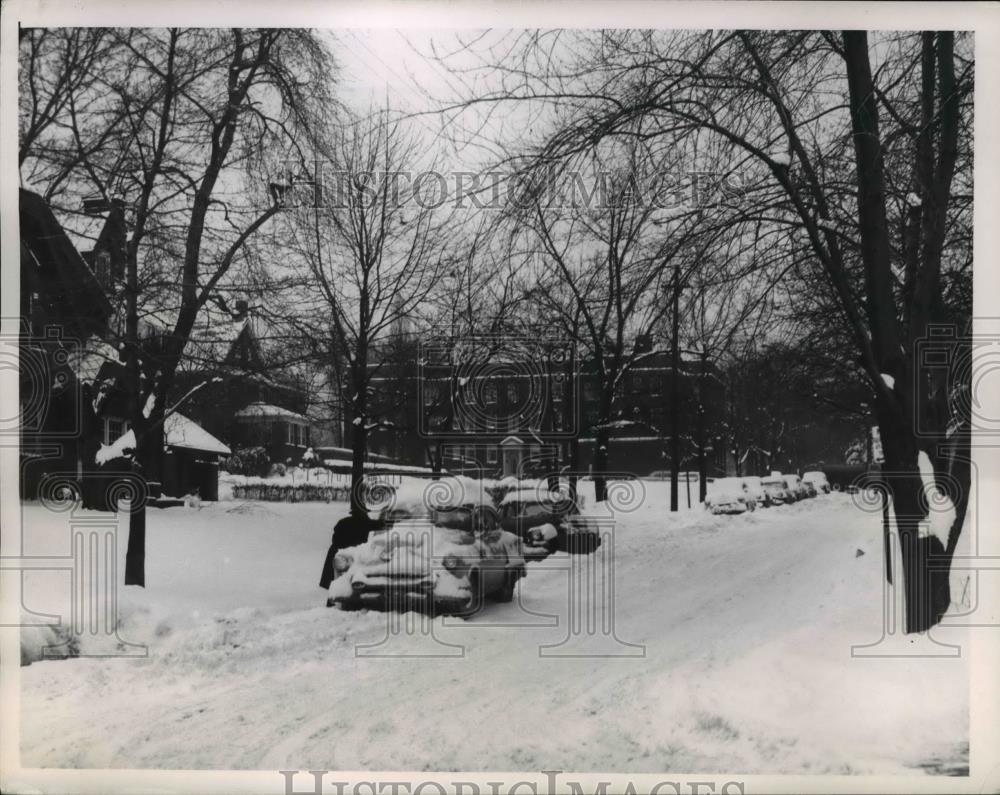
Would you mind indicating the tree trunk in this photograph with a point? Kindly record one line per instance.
(924, 562)
(675, 358)
(359, 436)
(702, 467)
(602, 440)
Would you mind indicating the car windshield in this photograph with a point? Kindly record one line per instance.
(404, 515)
(454, 517)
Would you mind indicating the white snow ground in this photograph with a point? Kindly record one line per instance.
(747, 624)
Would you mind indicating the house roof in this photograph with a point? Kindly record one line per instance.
(90, 359)
(211, 341)
(179, 431)
(59, 269)
(266, 410)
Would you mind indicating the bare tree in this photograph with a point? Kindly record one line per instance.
(372, 249)
(182, 126)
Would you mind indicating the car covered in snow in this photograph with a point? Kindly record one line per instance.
(776, 490)
(795, 487)
(729, 495)
(547, 522)
(755, 489)
(437, 550)
(818, 480)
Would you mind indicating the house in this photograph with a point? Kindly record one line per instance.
(66, 351)
(235, 393)
(282, 432)
(191, 459)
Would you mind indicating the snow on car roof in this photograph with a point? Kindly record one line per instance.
(721, 486)
(449, 491)
(541, 495)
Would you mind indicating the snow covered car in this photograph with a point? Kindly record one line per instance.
(440, 570)
(729, 495)
(776, 490)
(794, 486)
(755, 489)
(818, 480)
(438, 550)
(547, 523)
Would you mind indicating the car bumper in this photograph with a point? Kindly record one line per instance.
(403, 595)
(730, 508)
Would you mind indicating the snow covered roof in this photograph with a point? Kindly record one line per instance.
(212, 341)
(267, 410)
(86, 362)
(179, 431)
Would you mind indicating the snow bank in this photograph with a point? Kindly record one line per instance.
(746, 625)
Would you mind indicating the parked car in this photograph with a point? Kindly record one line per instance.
(664, 474)
(810, 489)
(547, 523)
(776, 490)
(729, 495)
(794, 485)
(818, 480)
(444, 559)
(755, 489)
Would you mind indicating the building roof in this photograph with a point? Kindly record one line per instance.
(268, 411)
(211, 341)
(59, 269)
(179, 431)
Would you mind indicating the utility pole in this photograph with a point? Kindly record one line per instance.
(675, 358)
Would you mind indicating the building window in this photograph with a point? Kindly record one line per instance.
(512, 393)
(470, 453)
(491, 454)
(113, 429)
(490, 393)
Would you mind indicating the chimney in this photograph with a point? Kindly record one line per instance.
(643, 343)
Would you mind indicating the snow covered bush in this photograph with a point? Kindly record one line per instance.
(283, 492)
(250, 461)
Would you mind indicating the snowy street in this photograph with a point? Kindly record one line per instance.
(747, 624)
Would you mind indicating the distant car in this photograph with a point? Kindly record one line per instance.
(729, 496)
(810, 489)
(776, 490)
(795, 487)
(547, 523)
(664, 474)
(818, 480)
(755, 489)
(441, 558)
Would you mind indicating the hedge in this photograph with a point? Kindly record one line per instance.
(301, 492)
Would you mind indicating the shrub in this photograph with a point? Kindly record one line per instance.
(277, 470)
(304, 492)
(250, 461)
